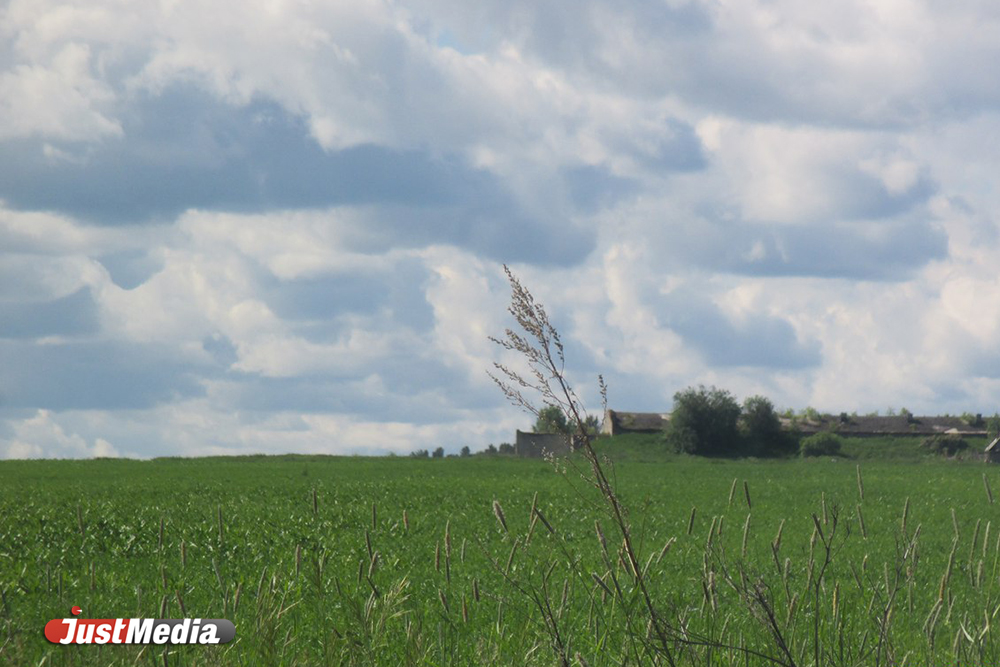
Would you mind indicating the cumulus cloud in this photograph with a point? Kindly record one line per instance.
(41, 436)
(230, 227)
(60, 101)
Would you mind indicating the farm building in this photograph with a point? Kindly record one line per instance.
(616, 422)
(894, 425)
(992, 452)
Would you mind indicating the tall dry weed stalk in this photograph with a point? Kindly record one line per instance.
(539, 344)
(544, 384)
(656, 632)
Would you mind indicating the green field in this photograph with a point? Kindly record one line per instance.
(313, 560)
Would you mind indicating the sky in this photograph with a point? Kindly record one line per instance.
(268, 226)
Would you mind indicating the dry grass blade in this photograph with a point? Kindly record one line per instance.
(498, 512)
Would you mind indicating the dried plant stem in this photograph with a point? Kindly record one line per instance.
(540, 345)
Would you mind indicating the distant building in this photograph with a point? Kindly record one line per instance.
(897, 425)
(616, 423)
(992, 452)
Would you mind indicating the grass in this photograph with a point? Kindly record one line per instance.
(312, 559)
(904, 448)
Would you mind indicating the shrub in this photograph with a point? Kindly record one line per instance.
(705, 421)
(993, 426)
(811, 414)
(762, 430)
(821, 444)
(551, 419)
(949, 445)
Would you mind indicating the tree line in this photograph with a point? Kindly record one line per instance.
(708, 421)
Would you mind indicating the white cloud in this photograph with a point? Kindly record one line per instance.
(41, 436)
(59, 101)
(775, 197)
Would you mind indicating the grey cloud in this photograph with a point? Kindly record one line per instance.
(98, 375)
(487, 228)
(325, 297)
(845, 251)
(418, 389)
(314, 304)
(881, 250)
(129, 269)
(979, 361)
(221, 349)
(635, 392)
(725, 61)
(680, 150)
(72, 315)
(860, 196)
(594, 187)
(566, 33)
(28, 277)
(185, 150)
(759, 340)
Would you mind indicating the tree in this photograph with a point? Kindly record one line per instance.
(811, 414)
(506, 448)
(948, 445)
(761, 429)
(465, 451)
(705, 422)
(824, 443)
(438, 453)
(993, 426)
(551, 420)
(420, 454)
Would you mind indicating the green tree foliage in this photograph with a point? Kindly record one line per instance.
(465, 451)
(761, 429)
(705, 422)
(947, 445)
(993, 425)
(821, 444)
(438, 453)
(811, 414)
(971, 419)
(551, 420)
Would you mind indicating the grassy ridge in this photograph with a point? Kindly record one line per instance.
(298, 579)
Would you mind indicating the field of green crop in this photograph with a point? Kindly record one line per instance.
(399, 561)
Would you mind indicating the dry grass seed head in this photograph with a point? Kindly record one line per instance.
(498, 513)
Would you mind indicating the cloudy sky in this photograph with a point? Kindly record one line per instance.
(279, 225)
